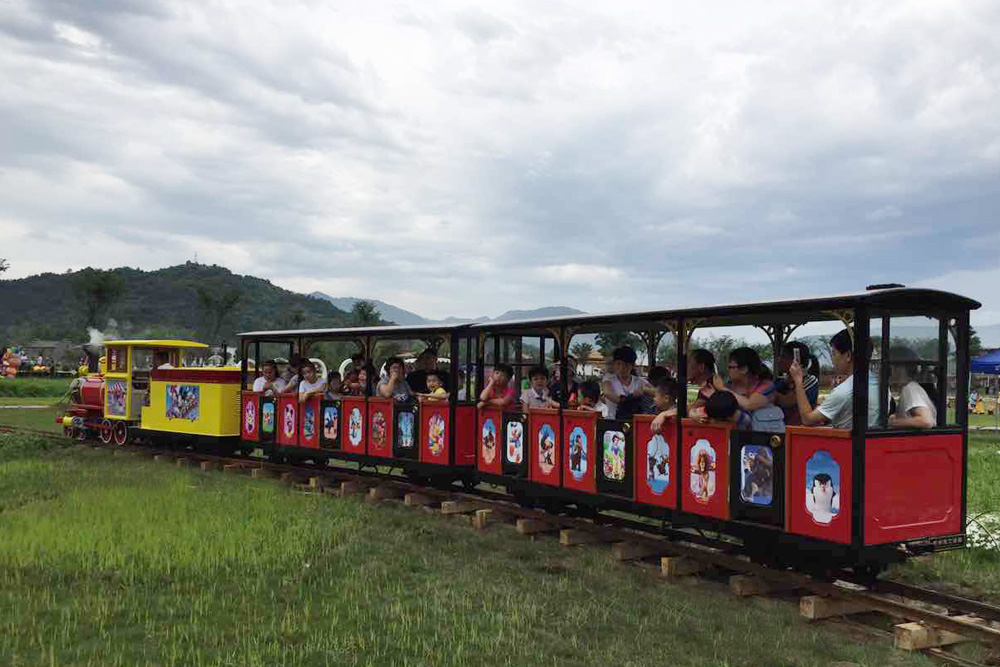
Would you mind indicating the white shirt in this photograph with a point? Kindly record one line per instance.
(914, 396)
(276, 386)
(838, 406)
(533, 399)
(634, 387)
(305, 386)
(600, 408)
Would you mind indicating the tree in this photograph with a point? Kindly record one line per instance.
(365, 314)
(215, 308)
(581, 351)
(3, 265)
(97, 290)
(721, 347)
(666, 353)
(295, 318)
(975, 344)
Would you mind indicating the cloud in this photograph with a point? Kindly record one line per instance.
(458, 160)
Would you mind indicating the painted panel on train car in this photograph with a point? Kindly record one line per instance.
(516, 447)
(913, 487)
(183, 401)
(615, 453)
(466, 440)
(579, 434)
(435, 421)
(380, 427)
(268, 418)
(353, 418)
(288, 420)
(250, 420)
(818, 478)
(655, 463)
(330, 417)
(545, 446)
(757, 463)
(406, 434)
(309, 423)
(705, 462)
(490, 459)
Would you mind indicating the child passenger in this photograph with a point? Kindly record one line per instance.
(333, 385)
(665, 400)
(435, 391)
(537, 394)
(723, 406)
(499, 391)
(310, 385)
(590, 399)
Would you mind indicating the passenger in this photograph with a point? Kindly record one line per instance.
(785, 387)
(655, 376)
(395, 385)
(837, 409)
(435, 391)
(292, 375)
(362, 384)
(426, 362)
(311, 384)
(914, 409)
(724, 406)
(349, 387)
(269, 383)
(590, 399)
(461, 384)
(572, 385)
(701, 371)
(621, 388)
(751, 382)
(665, 401)
(537, 394)
(333, 385)
(161, 359)
(500, 391)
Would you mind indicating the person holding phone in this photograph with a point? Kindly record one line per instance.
(701, 372)
(799, 353)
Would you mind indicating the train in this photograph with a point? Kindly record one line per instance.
(818, 498)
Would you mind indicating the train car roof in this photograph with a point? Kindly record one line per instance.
(394, 330)
(794, 311)
(157, 343)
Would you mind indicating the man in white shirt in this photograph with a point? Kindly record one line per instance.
(311, 385)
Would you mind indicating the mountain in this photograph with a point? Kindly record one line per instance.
(389, 312)
(161, 303)
(398, 315)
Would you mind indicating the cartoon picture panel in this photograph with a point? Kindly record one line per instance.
(614, 456)
(267, 419)
(405, 423)
(703, 465)
(251, 420)
(379, 431)
(579, 453)
(822, 499)
(331, 422)
(657, 464)
(288, 421)
(117, 393)
(355, 427)
(310, 411)
(183, 401)
(436, 435)
(488, 451)
(546, 449)
(757, 475)
(515, 442)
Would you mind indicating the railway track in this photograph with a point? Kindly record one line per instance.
(930, 619)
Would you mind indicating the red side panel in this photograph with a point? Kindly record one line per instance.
(490, 459)
(355, 423)
(705, 466)
(818, 483)
(913, 488)
(579, 433)
(288, 420)
(250, 420)
(380, 427)
(309, 423)
(435, 425)
(465, 435)
(655, 462)
(544, 446)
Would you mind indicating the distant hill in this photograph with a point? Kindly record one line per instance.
(156, 304)
(398, 315)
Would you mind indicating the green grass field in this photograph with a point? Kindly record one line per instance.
(34, 387)
(120, 561)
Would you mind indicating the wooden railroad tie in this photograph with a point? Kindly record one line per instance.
(349, 488)
(418, 499)
(261, 473)
(182, 462)
(379, 493)
(529, 526)
(680, 566)
(207, 465)
(458, 507)
(747, 584)
(917, 636)
(637, 550)
(317, 483)
(482, 519)
(817, 607)
(571, 537)
(160, 458)
(232, 467)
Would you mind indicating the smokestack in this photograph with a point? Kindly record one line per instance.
(93, 349)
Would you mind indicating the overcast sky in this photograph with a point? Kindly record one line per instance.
(458, 158)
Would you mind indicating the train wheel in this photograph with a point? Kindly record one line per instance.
(106, 431)
(121, 433)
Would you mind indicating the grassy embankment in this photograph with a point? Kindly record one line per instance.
(120, 561)
(32, 392)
